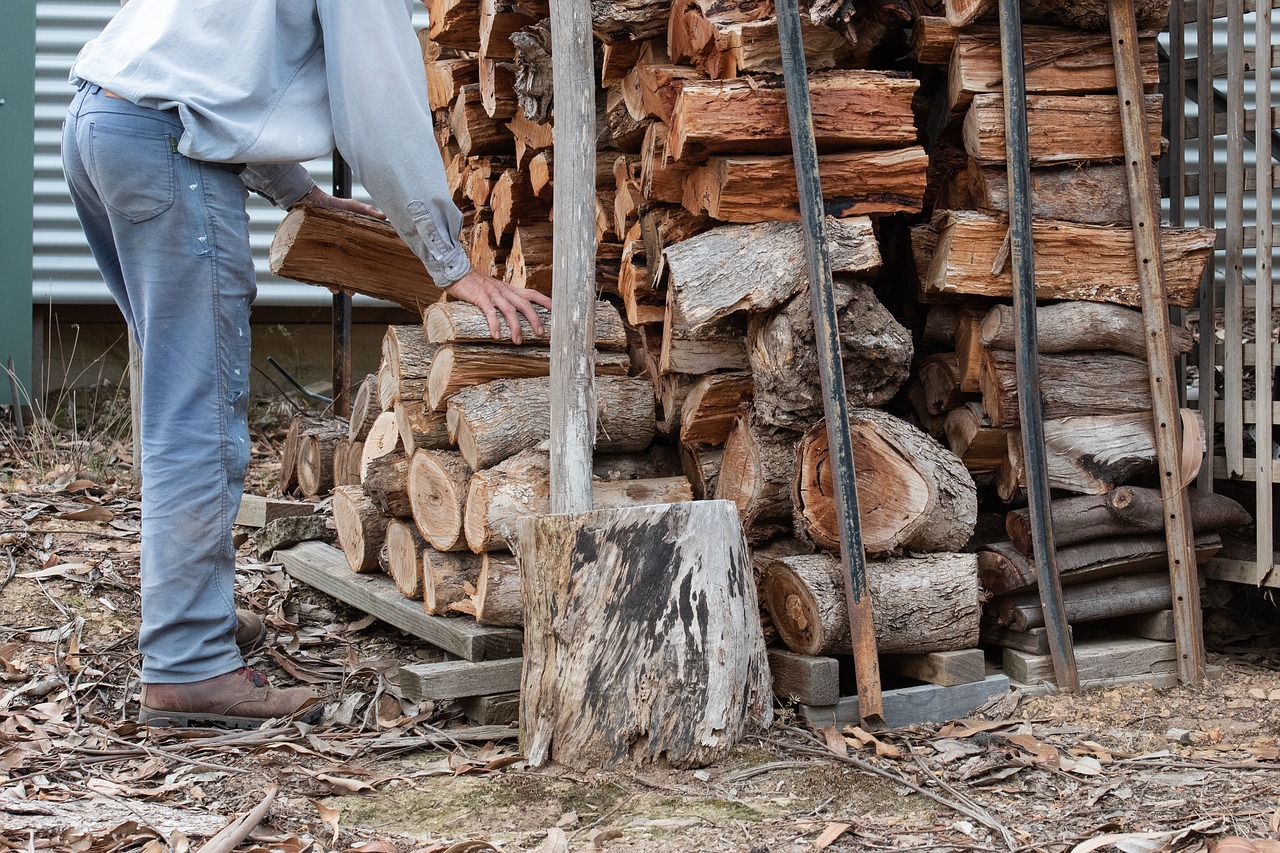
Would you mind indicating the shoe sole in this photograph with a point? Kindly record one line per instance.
(174, 719)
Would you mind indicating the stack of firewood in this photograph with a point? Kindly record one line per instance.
(1093, 358)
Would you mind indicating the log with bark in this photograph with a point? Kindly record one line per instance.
(521, 486)
(404, 557)
(939, 377)
(498, 598)
(1087, 602)
(1091, 193)
(383, 439)
(364, 408)
(386, 482)
(1091, 455)
(1069, 326)
(462, 322)
(925, 603)
(1082, 262)
(702, 467)
(730, 39)
(876, 350)
(744, 188)
(362, 530)
(1080, 15)
(1126, 511)
(694, 679)
(498, 419)
(913, 494)
(1071, 384)
(756, 473)
(1003, 569)
(629, 20)
(970, 435)
(651, 87)
(533, 83)
(315, 452)
(350, 252)
(756, 267)
(458, 366)
(1059, 61)
(720, 346)
(447, 579)
(419, 427)
(473, 130)
(1060, 128)
(710, 409)
(851, 109)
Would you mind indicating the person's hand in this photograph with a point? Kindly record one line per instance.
(492, 296)
(319, 198)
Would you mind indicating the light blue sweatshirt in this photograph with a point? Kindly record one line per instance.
(275, 82)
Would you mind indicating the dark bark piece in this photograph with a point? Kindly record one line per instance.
(1004, 570)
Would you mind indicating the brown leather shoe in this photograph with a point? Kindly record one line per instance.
(250, 630)
(242, 699)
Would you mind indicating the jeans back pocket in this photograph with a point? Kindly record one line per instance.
(132, 169)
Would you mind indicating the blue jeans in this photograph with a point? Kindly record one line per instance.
(171, 237)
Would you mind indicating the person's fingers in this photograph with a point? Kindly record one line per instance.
(530, 312)
(513, 319)
(491, 315)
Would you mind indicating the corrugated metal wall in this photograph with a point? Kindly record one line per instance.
(64, 272)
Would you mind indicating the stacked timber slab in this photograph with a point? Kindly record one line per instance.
(707, 382)
(1094, 385)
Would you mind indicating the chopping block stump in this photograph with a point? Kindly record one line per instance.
(642, 642)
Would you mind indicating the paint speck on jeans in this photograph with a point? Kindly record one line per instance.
(192, 186)
(202, 239)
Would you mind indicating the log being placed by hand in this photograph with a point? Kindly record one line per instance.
(756, 267)
(462, 322)
(362, 530)
(350, 252)
(1073, 326)
(851, 109)
(876, 350)
(448, 578)
(1126, 511)
(458, 366)
(744, 188)
(923, 603)
(1073, 261)
(521, 486)
(438, 482)
(756, 473)
(498, 419)
(404, 557)
(498, 599)
(913, 493)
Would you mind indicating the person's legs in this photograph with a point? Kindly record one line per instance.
(171, 237)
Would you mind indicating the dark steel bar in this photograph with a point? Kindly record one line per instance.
(827, 337)
(341, 311)
(1030, 411)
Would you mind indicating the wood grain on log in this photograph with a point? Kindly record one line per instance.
(696, 684)
(365, 408)
(383, 438)
(420, 427)
(498, 598)
(1060, 128)
(354, 253)
(727, 39)
(1092, 193)
(970, 435)
(850, 109)
(927, 603)
(462, 322)
(458, 366)
(1069, 326)
(404, 557)
(756, 474)
(498, 419)
(386, 482)
(913, 493)
(1082, 262)
(362, 529)
(710, 409)
(447, 578)
(1071, 384)
(1086, 602)
(876, 350)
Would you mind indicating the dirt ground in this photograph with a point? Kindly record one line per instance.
(1130, 769)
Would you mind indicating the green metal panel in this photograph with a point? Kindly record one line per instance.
(17, 157)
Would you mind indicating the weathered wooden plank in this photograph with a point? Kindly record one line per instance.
(906, 706)
(455, 679)
(1112, 657)
(500, 709)
(324, 568)
(1034, 641)
(962, 666)
(809, 679)
(256, 511)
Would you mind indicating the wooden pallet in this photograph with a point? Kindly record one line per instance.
(324, 568)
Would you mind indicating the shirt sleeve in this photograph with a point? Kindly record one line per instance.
(283, 184)
(382, 125)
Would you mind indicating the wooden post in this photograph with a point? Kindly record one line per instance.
(827, 337)
(1155, 313)
(573, 406)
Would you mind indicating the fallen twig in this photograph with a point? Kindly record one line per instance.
(238, 830)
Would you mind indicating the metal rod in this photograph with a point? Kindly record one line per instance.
(827, 338)
(341, 310)
(19, 423)
(1030, 412)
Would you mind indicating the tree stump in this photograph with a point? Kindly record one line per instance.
(643, 642)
